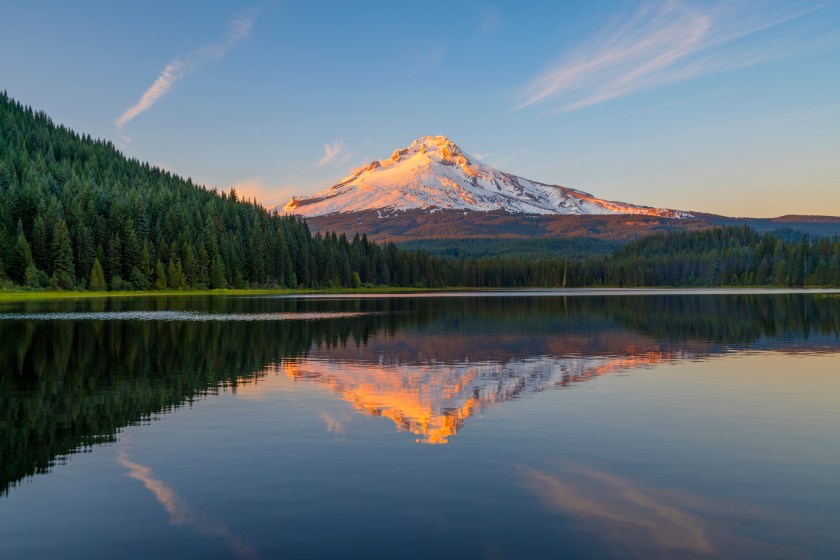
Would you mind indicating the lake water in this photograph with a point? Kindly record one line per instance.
(517, 425)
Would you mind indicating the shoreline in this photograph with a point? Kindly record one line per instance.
(18, 296)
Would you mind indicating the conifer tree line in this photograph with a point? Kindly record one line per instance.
(727, 256)
(76, 214)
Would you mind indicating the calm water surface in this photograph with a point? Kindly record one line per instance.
(528, 426)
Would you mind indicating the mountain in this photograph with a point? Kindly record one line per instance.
(434, 190)
(434, 174)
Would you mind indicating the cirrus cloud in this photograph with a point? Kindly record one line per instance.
(239, 26)
(331, 152)
(663, 43)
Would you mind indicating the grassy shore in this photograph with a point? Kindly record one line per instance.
(80, 294)
(13, 296)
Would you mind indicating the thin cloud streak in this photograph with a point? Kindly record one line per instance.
(331, 151)
(239, 27)
(660, 44)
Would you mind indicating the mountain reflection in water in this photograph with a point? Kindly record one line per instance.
(426, 364)
(433, 400)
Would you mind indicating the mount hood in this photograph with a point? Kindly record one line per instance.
(434, 174)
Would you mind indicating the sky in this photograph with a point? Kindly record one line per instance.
(725, 107)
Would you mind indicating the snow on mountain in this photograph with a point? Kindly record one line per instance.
(433, 173)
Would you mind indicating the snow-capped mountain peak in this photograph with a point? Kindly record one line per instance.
(434, 173)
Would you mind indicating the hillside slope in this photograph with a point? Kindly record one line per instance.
(75, 213)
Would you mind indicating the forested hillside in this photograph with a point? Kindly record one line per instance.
(77, 214)
(726, 256)
(731, 256)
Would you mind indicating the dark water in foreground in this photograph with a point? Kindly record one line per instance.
(535, 426)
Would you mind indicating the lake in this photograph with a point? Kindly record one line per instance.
(585, 424)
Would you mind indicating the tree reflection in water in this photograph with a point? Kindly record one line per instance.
(426, 363)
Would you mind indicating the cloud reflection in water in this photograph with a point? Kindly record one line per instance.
(182, 513)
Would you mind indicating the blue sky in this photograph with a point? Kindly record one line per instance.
(724, 107)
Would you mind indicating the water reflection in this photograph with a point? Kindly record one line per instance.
(635, 518)
(181, 513)
(426, 364)
(433, 400)
(172, 316)
(640, 521)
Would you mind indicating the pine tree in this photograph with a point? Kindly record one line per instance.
(137, 279)
(64, 275)
(114, 259)
(131, 251)
(146, 267)
(40, 242)
(190, 266)
(21, 257)
(203, 266)
(217, 274)
(97, 277)
(175, 275)
(160, 276)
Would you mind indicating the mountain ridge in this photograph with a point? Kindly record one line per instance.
(433, 174)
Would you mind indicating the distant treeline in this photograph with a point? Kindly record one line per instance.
(729, 256)
(570, 248)
(77, 214)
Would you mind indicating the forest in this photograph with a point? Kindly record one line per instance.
(76, 214)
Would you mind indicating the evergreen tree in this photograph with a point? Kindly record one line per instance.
(114, 258)
(21, 258)
(217, 274)
(137, 279)
(203, 266)
(40, 242)
(97, 277)
(175, 275)
(146, 267)
(160, 276)
(64, 275)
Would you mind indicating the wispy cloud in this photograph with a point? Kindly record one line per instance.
(239, 26)
(423, 58)
(331, 152)
(123, 141)
(663, 43)
(489, 19)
